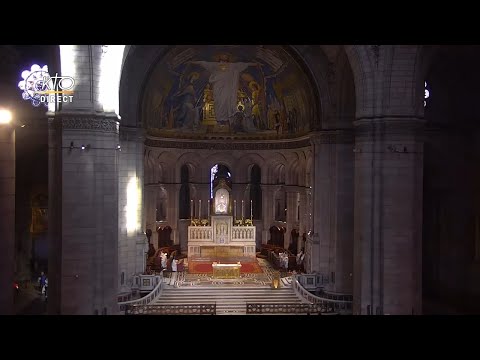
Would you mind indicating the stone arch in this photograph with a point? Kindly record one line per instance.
(362, 60)
(191, 160)
(138, 62)
(168, 160)
(245, 164)
(290, 174)
(221, 158)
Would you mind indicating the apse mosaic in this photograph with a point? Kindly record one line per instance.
(237, 89)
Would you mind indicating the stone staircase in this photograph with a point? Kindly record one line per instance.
(230, 300)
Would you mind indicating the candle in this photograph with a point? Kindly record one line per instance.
(251, 209)
(191, 209)
(199, 209)
(243, 212)
(235, 209)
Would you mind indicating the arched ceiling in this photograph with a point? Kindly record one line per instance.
(244, 91)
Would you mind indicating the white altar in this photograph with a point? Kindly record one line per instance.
(221, 239)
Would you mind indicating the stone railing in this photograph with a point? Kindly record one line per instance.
(124, 297)
(336, 296)
(243, 233)
(338, 306)
(312, 282)
(193, 309)
(317, 308)
(200, 233)
(156, 292)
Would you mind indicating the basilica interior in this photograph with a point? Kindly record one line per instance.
(345, 174)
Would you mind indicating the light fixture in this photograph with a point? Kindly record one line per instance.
(83, 147)
(5, 116)
(119, 148)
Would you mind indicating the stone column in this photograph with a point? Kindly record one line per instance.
(54, 215)
(268, 205)
(7, 217)
(173, 210)
(83, 186)
(388, 216)
(131, 240)
(333, 207)
(303, 225)
(292, 209)
(150, 209)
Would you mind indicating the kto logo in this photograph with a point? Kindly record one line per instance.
(41, 88)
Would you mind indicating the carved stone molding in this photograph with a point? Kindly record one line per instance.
(225, 145)
(90, 123)
(333, 137)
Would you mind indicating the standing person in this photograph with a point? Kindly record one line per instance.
(45, 289)
(174, 265)
(41, 281)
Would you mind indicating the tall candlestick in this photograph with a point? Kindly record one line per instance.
(243, 212)
(191, 209)
(208, 213)
(199, 209)
(235, 209)
(251, 209)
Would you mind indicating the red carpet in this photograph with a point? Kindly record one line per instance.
(201, 267)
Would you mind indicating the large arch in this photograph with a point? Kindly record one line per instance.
(376, 72)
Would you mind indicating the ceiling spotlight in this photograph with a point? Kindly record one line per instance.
(83, 147)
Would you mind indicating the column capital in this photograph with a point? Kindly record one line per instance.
(337, 136)
(87, 121)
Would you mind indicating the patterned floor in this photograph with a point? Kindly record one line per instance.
(258, 279)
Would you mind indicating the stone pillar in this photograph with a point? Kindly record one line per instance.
(173, 210)
(292, 209)
(333, 207)
(7, 217)
(132, 242)
(83, 199)
(388, 216)
(334, 188)
(150, 208)
(268, 205)
(304, 214)
(54, 215)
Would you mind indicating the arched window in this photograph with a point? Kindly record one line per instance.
(256, 192)
(217, 172)
(184, 194)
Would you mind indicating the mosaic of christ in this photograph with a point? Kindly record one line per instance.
(238, 89)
